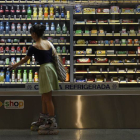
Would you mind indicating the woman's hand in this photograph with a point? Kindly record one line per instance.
(12, 67)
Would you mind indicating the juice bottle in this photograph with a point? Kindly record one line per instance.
(45, 11)
(35, 12)
(36, 77)
(57, 12)
(67, 75)
(19, 76)
(2, 76)
(51, 11)
(30, 75)
(24, 76)
(13, 76)
(40, 11)
(29, 12)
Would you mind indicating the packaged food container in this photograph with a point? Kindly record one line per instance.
(123, 41)
(129, 41)
(61, 39)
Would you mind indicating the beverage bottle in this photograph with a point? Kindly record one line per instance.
(29, 26)
(28, 62)
(62, 12)
(51, 11)
(25, 76)
(47, 26)
(24, 27)
(18, 12)
(67, 75)
(30, 76)
(35, 23)
(52, 27)
(35, 12)
(1, 27)
(58, 29)
(6, 12)
(19, 76)
(2, 76)
(18, 27)
(1, 11)
(29, 12)
(7, 29)
(7, 78)
(24, 12)
(64, 29)
(57, 12)
(13, 76)
(36, 77)
(12, 12)
(40, 11)
(45, 11)
(41, 23)
(13, 27)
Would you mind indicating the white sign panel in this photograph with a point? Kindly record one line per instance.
(79, 86)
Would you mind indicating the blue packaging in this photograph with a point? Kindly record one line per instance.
(78, 8)
(7, 79)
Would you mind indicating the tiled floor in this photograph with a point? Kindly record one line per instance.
(73, 134)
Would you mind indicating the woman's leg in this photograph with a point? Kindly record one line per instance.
(49, 103)
(44, 107)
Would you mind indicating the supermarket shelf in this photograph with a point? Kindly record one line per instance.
(107, 64)
(19, 35)
(96, 45)
(31, 44)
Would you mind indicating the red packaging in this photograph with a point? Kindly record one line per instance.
(13, 49)
(63, 60)
(129, 41)
(7, 49)
(18, 49)
(24, 49)
(1, 49)
(99, 10)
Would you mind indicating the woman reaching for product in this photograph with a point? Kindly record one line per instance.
(48, 79)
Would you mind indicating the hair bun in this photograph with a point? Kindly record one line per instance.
(42, 27)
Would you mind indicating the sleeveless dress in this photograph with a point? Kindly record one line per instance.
(48, 79)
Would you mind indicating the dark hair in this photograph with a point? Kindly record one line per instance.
(38, 29)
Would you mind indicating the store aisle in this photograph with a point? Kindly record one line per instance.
(73, 134)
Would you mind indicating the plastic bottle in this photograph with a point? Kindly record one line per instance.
(35, 12)
(13, 27)
(2, 76)
(41, 23)
(57, 12)
(25, 76)
(6, 12)
(24, 27)
(29, 26)
(45, 11)
(29, 12)
(52, 27)
(35, 23)
(12, 11)
(30, 76)
(40, 11)
(1, 11)
(51, 11)
(18, 27)
(7, 78)
(18, 12)
(47, 26)
(58, 29)
(13, 76)
(67, 75)
(24, 12)
(19, 76)
(1, 27)
(36, 77)
(7, 27)
(64, 29)
(62, 12)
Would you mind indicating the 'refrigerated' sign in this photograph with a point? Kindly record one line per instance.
(79, 86)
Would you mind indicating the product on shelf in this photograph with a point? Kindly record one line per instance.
(90, 21)
(89, 10)
(138, 8)
(131, 52)
(25, 76)
(99, 52)
(114, 9)
(78, 31)
(101, 30)
(67, 75)
(1, 11)
(110, 51)
(67, 62)
(92, 42)
(19, 76)
(81, 41)
(36, 77)
(13, 76)
(94, 30)
(7, 78)
(88, 51)
(18, 12)
(122, 52)
(64, 49)
(80, 52)
(116, 61)
(13, 61)
(136, 41)
(17, 59)
(100, 60)
(29, 12)
(23, 12)
(18, 49)
(129, 41)
(127, 21)
(7, 61)
(132, 31)
(63, 60)
(6, 11)
(1, 76)
(130, 61)
(87, 30)
(78, 8)
(123, 29)
(102, 10)
(12, 11)
(123, 41)
(68, 14)
(127, 10)
(83, 60)
(51, 11)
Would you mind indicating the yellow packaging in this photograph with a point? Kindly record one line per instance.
(88, 51)
(89, 10)
(101, 52)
